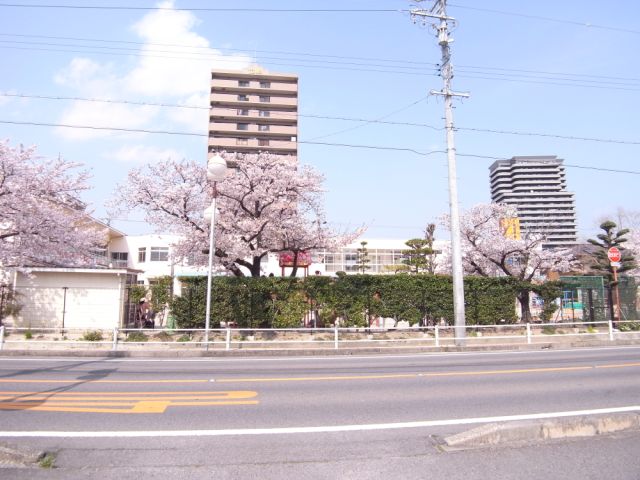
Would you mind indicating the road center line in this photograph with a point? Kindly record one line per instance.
(339, 377)
(318, 429)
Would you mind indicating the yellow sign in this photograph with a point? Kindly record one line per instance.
(511, 228)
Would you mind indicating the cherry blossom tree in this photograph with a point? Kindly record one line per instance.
(267, 203)
(42, 222)
(487, 250)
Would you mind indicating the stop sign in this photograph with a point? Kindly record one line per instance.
(614, 254)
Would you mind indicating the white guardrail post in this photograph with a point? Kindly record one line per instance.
(228, 341)
(529, 333)
(1, 337)
(114, 346)
(335, 337)
(610, 330)
(437, 335)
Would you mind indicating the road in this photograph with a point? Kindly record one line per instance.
(326, 417)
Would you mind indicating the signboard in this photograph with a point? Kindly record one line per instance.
(287, 259)
(614, 254)
(510, 228)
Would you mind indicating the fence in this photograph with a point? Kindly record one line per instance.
(312, 338)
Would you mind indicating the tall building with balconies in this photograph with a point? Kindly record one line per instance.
(537, 187)
(253, 111)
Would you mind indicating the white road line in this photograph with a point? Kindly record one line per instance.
(319, 429)
(315, 358)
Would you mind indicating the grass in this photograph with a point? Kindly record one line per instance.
(28, 335)
(136, 337)
(48, 461)
(92, 336)
(547, 330)
(163, 337)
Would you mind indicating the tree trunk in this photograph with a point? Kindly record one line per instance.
(255, 266)
(294, 270)
(523, 298)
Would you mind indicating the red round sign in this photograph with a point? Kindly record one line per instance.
(614, 254)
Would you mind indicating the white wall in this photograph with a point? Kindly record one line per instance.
(82, 298)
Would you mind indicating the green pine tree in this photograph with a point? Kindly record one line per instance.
(612, 237)
(362, 262)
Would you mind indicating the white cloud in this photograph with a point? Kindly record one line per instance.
(174, 67)
(168, 69)
(110, 115)
(143, 154)
(196, 119)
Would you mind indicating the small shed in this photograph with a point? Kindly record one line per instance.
(88, 298)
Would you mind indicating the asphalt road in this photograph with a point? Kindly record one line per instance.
(326, 417)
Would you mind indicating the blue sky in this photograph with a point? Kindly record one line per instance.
(558, 68)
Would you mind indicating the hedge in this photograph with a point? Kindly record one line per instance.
(273, 302)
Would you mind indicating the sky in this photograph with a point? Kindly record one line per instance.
(541, 70)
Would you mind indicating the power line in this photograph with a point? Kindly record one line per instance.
(365, 123)
(214, 57)
(336, 62)
(310, 10)
(548, 19)
(203, 9)
(316, 55)
(356, 67)
(346, 145)
(342, 118)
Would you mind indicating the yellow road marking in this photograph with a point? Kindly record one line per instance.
(28, 380)
(343, 377)
(128, 402)
(620, 365)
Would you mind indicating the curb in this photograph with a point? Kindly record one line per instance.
(19, 457)
(307, 352)
(517, 433)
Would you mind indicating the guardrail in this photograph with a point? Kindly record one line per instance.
(314, 338)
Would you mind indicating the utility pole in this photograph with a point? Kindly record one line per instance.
(439, 13)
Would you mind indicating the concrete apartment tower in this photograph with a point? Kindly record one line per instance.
(253, 111)
(537, 187)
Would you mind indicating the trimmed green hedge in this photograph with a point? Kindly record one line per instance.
(268, 302)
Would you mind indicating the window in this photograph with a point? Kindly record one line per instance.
(142, 254)
(243, 111)
(243, 98)
(265, 98)
(263, 128)
(264, 113)
(242, 141)
(265, 84)
(243, 83)
(159, 254)
(263, 142)
(242, 126)
(119, 259)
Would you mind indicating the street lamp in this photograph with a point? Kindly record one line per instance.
(216, 170)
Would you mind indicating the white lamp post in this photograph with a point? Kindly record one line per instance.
(216, 170)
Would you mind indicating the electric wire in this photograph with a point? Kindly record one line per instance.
(318, 55)
(548, 19)
(342, 118)
(346, 145)
(202, 9)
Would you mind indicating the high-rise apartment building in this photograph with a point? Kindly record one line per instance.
(537, 187)
(253, 111)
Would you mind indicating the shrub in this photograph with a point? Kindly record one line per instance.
(629, 327)
(163, 337)
(92, 336)
(137, 337)
(28, 335)
(184, 338)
